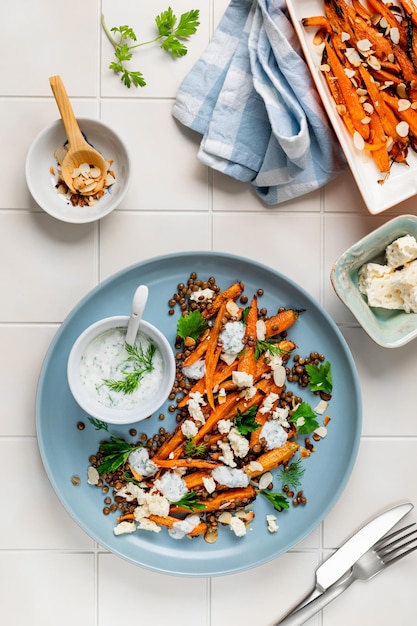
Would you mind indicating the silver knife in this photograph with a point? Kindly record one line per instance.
(340, 562)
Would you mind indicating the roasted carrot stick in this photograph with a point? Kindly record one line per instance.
(283, 320)
(231, 293)
(271, 459)
(228, 499)
(187, 463)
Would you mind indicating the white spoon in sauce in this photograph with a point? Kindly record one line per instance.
(138, 305)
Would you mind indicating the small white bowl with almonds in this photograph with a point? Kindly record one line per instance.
(45, 183)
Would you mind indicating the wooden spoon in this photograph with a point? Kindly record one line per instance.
(79, 150)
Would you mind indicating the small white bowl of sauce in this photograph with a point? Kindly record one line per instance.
(118, 383)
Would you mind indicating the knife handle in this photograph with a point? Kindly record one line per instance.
(308, 610)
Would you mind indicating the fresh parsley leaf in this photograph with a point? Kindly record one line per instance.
(193, 449)
(116, 452)
(190, 501)
(170, 35)
(191, 325)
(308, 416)
(291, 474)
(278, 500)
(245, 422)
(98, 424)
(320, 377)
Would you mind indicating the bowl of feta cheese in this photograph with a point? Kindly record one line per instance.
(116, 382)
(376, 279)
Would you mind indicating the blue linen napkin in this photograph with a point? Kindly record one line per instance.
(252, 98)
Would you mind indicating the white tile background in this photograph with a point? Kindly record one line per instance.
(50, 570)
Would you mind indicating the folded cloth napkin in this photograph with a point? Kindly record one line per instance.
(252, 98)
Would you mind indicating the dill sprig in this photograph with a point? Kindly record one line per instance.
(143, 364)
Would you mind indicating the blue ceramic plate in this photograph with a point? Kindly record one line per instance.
(65, 450)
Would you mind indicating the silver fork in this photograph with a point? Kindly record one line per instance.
(388, 550)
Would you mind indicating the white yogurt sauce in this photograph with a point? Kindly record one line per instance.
(105, 358)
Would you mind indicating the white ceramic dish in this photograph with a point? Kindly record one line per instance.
(390, 329)
(40, 162)
(90, 403)
(402, 181)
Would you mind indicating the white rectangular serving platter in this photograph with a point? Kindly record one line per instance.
(401, 183)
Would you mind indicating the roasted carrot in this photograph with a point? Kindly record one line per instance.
(187, 463)
(228, 499)
(283, 320)
(213, 353)
(231, 293)
(222, 373)
(407, 115)
(247, 361)
(350, 95)
(199, 351)
(272, 458)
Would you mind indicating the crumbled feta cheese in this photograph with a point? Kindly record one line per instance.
(189, 429)
(172, 486)
(224, 426)
(183, 527)
(227, 455)
(124, 527)
(147, 524)
(281, 415)
(130, 492)
(140, 462)
(232, 337)
(230, 476)
(194, 405)
(268, 403)
(92, 476)
(271, 522)
(401, 251)
(248, 392)
(221, 396)
(237, 526)
(274, 434)
(239, 443)
(196, 370)
(242, 379)
(274, 360)
(202, 295)
(376, 284)
(392, 289)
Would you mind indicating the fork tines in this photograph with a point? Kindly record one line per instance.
(399, 544)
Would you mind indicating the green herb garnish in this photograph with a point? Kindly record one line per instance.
(291, 474)
(190, 501)
(193, 449)
(269, 344)
(142, 361)
(245, 422)
(310, 422)
(191, 325)
(116, 452)
(320, 377)
(171, 35)
(98, 424)
(279, 501)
